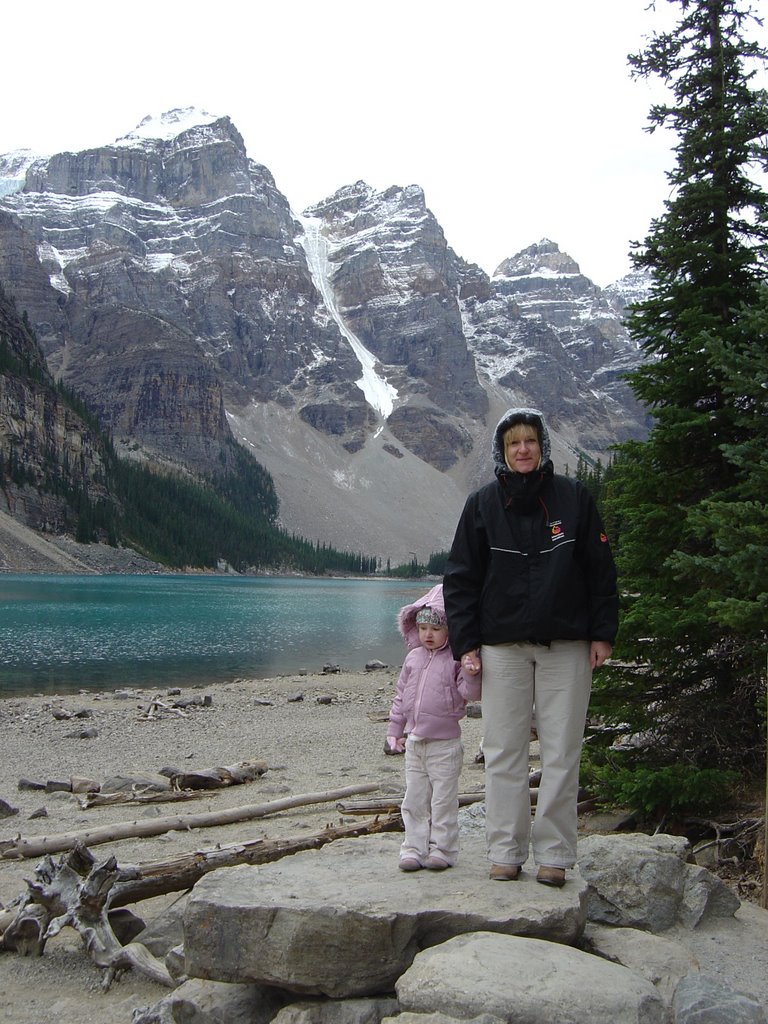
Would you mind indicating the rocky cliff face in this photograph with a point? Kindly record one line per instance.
(46, 450)
(349, 348)
(549, 334)
(394, 285)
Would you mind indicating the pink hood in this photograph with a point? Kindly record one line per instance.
(406, 617)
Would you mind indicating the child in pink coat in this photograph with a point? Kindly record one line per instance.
(431, 699)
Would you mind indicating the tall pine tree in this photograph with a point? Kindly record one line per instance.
(689, 504)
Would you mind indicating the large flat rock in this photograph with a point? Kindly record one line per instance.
(525, 981)
(344, 921)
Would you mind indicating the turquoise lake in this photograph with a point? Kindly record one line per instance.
(61, 634)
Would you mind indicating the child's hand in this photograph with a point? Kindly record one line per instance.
(394, 745)
(471, 663)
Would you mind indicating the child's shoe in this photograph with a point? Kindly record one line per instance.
(410, 864)
(436, 864)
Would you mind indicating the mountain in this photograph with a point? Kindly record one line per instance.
(348, 348)
(53, 458)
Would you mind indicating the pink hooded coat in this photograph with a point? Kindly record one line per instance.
(432, 691)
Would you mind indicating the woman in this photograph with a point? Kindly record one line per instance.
(530, 594)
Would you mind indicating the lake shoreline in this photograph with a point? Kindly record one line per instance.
(316, 733)
(26, 551)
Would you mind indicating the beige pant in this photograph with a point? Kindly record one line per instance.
(558, 678)
(430, 808)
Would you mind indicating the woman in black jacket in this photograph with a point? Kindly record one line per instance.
(530, 594)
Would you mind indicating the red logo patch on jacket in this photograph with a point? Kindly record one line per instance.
(556, 529)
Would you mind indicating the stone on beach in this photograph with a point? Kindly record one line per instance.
(524, 979)
(343, 922)
(641, 881)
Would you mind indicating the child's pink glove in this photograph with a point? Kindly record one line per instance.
(394, 745)
(471, 663)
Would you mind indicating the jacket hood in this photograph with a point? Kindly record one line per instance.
(406, 617)
(510, 417)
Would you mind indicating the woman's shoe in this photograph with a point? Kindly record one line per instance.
(409, 864)
(505, 872)
(551, 876)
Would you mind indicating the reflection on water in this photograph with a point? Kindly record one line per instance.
(65, 633)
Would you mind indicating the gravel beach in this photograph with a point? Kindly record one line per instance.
(316, 733)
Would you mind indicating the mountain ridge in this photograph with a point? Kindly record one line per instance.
(171, 284)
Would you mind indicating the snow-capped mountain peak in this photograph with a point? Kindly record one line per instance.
(13, 169)
(167, 125)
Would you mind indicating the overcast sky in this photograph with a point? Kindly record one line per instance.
(517, 117)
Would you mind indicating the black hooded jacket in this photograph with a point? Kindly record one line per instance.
(530, 561)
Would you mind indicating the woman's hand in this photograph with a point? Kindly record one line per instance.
(599, 652)
(471, 663)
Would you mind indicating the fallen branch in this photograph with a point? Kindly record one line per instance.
(129, 789)
(179, 786)
(219, 778)
(155, 705)
(160, 877)
(140, 796)
(389, 804)
(74, 893)
(36, 846)
(384, 805)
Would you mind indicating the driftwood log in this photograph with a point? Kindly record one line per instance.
(138, 795)
(77, 892)
(176, 786)
(387, 804)
(132, 787)
(391, 804)
(218, 778)
(177, 874)
(36, 846)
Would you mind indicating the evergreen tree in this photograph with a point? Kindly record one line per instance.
(689, 504)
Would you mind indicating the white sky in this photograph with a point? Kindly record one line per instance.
(517, 117)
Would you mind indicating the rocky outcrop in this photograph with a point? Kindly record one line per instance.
(623, 870)
(180, 287)
(348, 897)
(282, 918)
(700, 1000)
(490, 973)
(396, 283)
(48, 454)
(660, 961)
(548, 333)
(452, 947)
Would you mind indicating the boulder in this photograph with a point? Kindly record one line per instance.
(405, 1017)
(343, 921)
(337, 1011)
(526, 980)
(699, 1000)
(641, 881)
(662, 962)
(211, 1002)
(166, 930)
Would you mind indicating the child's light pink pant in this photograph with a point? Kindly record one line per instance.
(430, 808)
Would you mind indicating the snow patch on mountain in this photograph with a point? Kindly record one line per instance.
(379, 393)
(167, 126)
(13, 169)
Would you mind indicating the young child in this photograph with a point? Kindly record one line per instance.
(431, 698)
